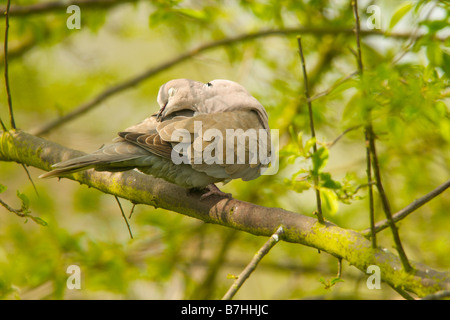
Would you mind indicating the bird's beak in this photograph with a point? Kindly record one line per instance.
(160, 113)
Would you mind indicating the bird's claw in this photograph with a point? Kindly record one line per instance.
(214, 191)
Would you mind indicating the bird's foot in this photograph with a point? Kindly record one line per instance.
(214, 191)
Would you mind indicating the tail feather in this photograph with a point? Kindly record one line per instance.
(110, 158)
(64, 171)
(72, 166)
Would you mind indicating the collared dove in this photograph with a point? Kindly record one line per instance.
(202, 134)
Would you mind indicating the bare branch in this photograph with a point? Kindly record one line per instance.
(273, 240)
(370, 183)
(124, 217)
(311, 126)
(358, 35)
(3, 125)
(332, 143)
(372, 158)
(339, 272)
(416, 204)
(30, 179)
(8, 90)
(18, 212)
(386, 205)
(367, 129)
(23, 213)
(334, 86)
(402, 292)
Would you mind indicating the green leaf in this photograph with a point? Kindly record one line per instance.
(341, 86)
(38, 220)
(308, 145)
(353, 111)
(330, 283)
(319, 159)
(194, 14)
(300, 186)
(25, 201)
(336, 280)
(435, 25)
(434, 54)
(330, 202)
(297, 139)
(446, 63)
(327, 182)
(231, 276)
(400, 13)
(300, 142)
(2, 188)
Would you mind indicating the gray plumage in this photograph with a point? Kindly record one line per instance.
(149, 145)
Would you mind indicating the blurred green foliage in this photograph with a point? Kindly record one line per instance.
(405, 85)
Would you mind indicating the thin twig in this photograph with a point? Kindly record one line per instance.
(8, 90)
(311, 125)
(334, 86)
(386, 206)
(362, 186)
(358, 33)
(409, 208)
(23, 213)
(402, 292)
(29, 178)
(18, 212)
(3, 125)
(132, 210)
(367, 129)
(339, 272)
(370, 137)
(370, 183)
(273, 240)
(124, 217)
(332, 143)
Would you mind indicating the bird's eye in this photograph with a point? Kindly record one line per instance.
(209, 84)
(171, 92)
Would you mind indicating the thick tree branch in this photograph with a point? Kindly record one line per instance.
(138, 188)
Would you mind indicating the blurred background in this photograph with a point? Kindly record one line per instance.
(54, 69)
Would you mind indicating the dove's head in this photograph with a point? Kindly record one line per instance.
(212, 97)
(177, 95)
